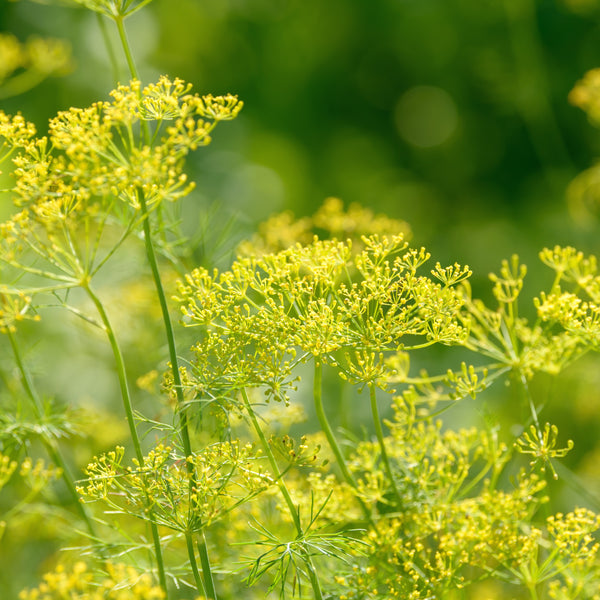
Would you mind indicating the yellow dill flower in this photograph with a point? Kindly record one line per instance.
(586, 95)
(542, 445)
(184, 494)
(320, 300)
(24, 65)
(7, 468)
(13, 309)
(331, 220)
(120, 582)
(15, 132)
(219, 108)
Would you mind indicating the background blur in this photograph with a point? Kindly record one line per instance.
(450, 114)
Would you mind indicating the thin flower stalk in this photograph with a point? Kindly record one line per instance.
(183, 425)
(52, 449)
(293, 509)
(181, 412)
(328, 431)
(125, 44)
(128, 406)
(380, 439)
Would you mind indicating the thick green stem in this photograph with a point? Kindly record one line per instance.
(314, 580)
(190, 550)
(51, 448)
(151, 256)
(209, 584)
(379, 433)
(127, 404)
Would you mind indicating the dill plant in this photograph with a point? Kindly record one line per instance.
(225, 501)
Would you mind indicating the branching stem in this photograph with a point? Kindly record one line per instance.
(326, 427)
(293, 509)
(379, 433)
(127, 404)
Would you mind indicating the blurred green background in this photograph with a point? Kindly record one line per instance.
(451, 114)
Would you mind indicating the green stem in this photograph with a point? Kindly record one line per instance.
(53, 451)
(326, 427)
(529, 399)
(379, 433)
(190, 550)
(294, 512)
(211, 593)
(151, 256)
(267, 449)
(181, 412)
(127, 404)
(532, 589)
(113, 342)
(121, 371)
(126, 47)
(132, 68)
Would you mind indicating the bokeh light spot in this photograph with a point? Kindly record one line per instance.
(426, 116)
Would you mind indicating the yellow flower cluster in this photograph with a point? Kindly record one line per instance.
(330, 221)
(78, 583)
(542, 446)
(321, 300)
(575, 309)
(97, 167)
(95, 152)
(14, 308)
(182, 494)
(7, 468)
(24, 65)
(453, 527)
(515, 344)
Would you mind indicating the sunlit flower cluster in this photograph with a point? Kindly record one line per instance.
(331, 220)
(514, 343)
(120, 582)
(183, 494)
(542, 446)
(96, 168)
(321, 300)
(14, 308)
(451, 526)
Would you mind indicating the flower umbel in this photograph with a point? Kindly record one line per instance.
(542, 446)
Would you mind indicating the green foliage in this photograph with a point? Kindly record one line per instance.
(209, 494)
